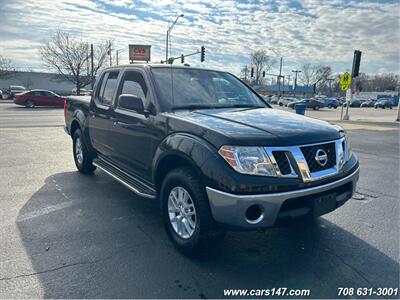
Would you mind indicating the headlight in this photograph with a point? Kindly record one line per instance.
(347, 148)
(248, 160)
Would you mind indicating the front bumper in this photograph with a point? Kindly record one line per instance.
(230, 209)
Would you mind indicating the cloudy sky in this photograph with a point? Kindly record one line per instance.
(314, 31)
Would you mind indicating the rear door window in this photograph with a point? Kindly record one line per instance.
(107, 89)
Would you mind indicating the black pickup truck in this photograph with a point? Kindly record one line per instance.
(211, 150)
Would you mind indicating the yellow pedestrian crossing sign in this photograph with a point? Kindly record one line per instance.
(345, 81)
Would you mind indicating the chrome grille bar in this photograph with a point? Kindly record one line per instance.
(298, 163)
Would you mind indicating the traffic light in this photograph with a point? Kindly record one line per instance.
(356, 63)
(252, 72)
(202, 53)
(182, 59)
(263, 73)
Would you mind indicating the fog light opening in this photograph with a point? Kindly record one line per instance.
(254, 214)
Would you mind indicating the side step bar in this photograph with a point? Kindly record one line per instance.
(126, 179)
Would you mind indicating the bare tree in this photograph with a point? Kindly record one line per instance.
(312, 75)
(261, 62)
(245, 74)
(70, 58)
(6, 67)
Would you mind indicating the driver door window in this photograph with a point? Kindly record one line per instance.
(134, 84)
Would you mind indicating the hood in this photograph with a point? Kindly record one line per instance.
(262, 126)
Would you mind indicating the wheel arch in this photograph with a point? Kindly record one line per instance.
(74, 126)
(180, 150)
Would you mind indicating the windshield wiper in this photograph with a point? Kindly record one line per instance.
(194, 106)
(243, 106)
(207, 106)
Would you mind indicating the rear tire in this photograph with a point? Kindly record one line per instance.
(30, 104)
(82, 157)
(189, 223)
(316, 107)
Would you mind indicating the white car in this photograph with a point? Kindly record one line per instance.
(285, 101)
(15, 89)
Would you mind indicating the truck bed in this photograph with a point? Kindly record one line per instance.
(84, 99)
(76, 104)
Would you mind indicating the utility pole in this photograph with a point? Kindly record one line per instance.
(280, 77)
(91, 68)
(295, 78)
(109, 52)
(168, 33)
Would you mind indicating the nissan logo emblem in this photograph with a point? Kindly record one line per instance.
(321, 157)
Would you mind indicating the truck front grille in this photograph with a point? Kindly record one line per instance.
(303, 162)
(310, 152)
(282, 161)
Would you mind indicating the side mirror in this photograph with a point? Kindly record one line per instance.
(131, 102)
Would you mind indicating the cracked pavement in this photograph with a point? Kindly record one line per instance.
(66, 235)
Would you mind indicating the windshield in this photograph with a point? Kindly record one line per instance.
(193, 88)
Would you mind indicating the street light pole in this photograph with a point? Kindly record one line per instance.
(117, 52)
(168, 33)
(280, 70)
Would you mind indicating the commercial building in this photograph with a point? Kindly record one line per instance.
(38, 80)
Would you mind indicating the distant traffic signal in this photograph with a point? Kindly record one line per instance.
(252, 72)
(263, 73)
(182, 59)
(202, 53)
(356, 63)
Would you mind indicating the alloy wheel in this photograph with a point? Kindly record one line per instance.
(78, 150)
(181, 212)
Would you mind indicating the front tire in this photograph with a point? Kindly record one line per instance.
(186, 212)
(82, 157)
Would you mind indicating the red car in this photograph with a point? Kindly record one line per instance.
(39, 98)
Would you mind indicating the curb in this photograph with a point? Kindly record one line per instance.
(393, 124)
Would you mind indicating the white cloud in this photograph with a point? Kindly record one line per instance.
(325, 32)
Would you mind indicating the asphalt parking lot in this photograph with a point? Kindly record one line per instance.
(66, 235)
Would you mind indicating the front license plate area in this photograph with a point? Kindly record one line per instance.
(324, 204)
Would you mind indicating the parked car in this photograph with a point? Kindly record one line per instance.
(368, 103)
(309, 103)
(15, 89)
(331, 102)
(274, 100)
(1, 94)
(83, 92)
(284, 101)
(39, 98)
(354, 103)
(205, 151)
(384, 103)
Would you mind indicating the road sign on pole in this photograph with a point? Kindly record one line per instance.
(345, 81)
